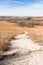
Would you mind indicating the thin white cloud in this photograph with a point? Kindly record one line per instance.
(29, 10)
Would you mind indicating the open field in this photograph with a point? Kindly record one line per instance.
(8, 29)
(21, 40)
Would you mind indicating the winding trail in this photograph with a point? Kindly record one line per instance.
(24, 52)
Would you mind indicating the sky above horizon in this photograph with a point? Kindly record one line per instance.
(21, 7)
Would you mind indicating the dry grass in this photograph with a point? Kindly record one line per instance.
(9, 30)
(36, 33)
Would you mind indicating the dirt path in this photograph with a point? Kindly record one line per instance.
(26, 52)
(24, 42)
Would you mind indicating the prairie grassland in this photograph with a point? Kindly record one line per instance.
(8, 30)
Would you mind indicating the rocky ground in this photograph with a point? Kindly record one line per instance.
(34, 58)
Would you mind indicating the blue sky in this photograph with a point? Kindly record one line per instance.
(21, 7)
(16, 3)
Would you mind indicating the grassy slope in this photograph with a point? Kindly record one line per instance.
(7, 31)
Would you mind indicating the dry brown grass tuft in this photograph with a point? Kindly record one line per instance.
(36, 33)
